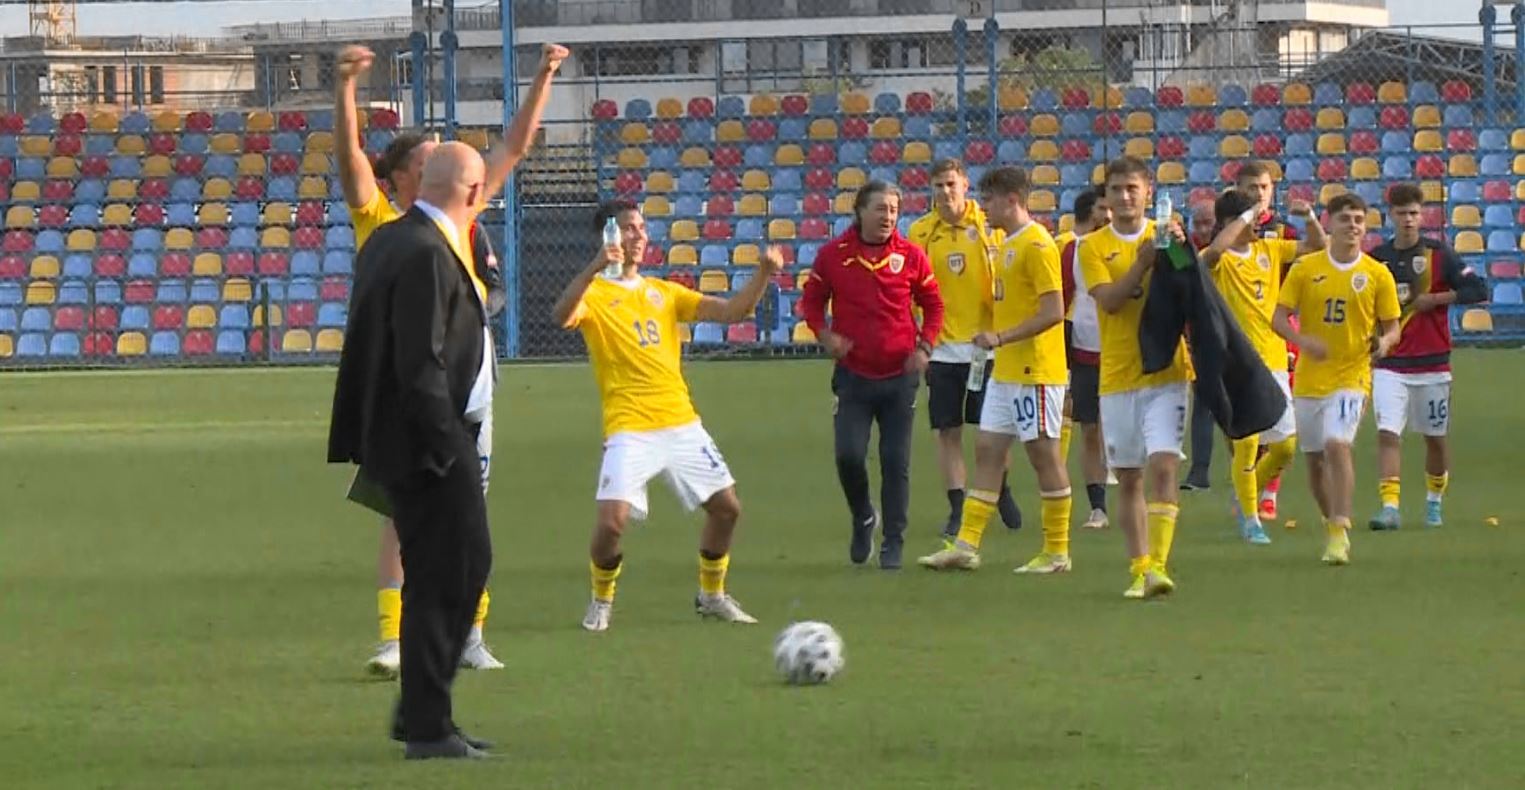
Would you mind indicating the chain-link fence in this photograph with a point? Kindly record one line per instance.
(198, 222)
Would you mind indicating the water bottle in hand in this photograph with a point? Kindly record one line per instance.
(615, 269)
(977, 362)
(1164, 212)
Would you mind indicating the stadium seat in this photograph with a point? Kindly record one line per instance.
(1466, 217)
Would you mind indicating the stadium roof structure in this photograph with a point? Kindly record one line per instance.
(1384, 55)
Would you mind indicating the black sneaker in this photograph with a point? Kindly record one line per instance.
(863, 540)
(889, 555)
(1011, 514)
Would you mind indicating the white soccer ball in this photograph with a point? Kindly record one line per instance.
(808, 653)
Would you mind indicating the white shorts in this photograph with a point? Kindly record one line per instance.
(1419, 399)
(1139, 423)
(1334, 418)
(685, 456)
(1286, 427)
(484, 448)
(1026, 411)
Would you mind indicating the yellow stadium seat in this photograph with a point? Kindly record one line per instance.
(103, 123)
(275, 238)
(763, 104)
(1427, 116)
(843, 203)
(217, 189)
(237, 289)
(117, 214)
(855, 104)
(1234, 147)
(228, 143)
(41, 293)
(789, 155)
(752, 205)
(1365, 169)
(823, 129)
(316, 164)
(1466, 217)
(685, 333)
(1011, 98)
(745, 255)
(296, 341)
(313, 188)
(36, 145)
(251, 165)
(684, 230)
(1373, 218)
(1469, 241)
(81, 240)
(1296, 93)
(1066, 223)
(20, 217)
(1042, 201)
(260, 121)
(631, 158)
(1233, 121)
(330, 340)
(212, 213)
(63, 167)
(1477, 320)
(1171, 173)
(1517, 139)
(885, 129)
(1045, 175)
(1110, 99)
(660, 181)
(756, 181)
(1043, 151)
(1140, 147)
(1139, 122)
(1044, 125)
(695, 158)
(179, 239)
(802, 336)
(1519, 165)
(1462, 166)
(1392, 93)
(682, 255)
(1433, 191)
(476, 138)
(1329, 192)
(1331, 144)
(917, 153)
(207, 264)
(157, 166)
(1428, 141)
(781, 230)
(635, 133)
(131, 145)
(201, 317)
(131, 344)
(167, 121)
(7, 346)
(800, 280)
(276, 214)
(1099, 174)
(45, 267)
(730, 131)
(851, 178)
(319, 143)
(714, 282)
(1201, 95)
(1330, 119)
(669, 108)
(27, 191)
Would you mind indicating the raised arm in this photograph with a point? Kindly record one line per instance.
(520, 136)
(1314, 238)
(356, 177)
(743, 304)
(564, 312)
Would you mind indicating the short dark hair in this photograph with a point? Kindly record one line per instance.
(1253, 169)
(1007, 180)
(1346, 202)
(1405, 195)
(1127, 166)
(396, 154)
(950, 165)
(867, 193)
(1085, 204)
(612, 208)
(1229, 206)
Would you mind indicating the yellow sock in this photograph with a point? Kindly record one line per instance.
(482, 604)
(1337, 526)
(389, 612)
(1274, 462)
(1387, 488)
(712, 574)
(978, 507)
(1065, 432)
(1162, 532)
(1138, 566)
(1054, 509)
(1242, 473)
(1435, 486)
(604, 580)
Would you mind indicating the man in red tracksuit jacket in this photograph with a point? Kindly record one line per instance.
(871, 276)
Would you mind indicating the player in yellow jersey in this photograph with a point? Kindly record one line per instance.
(401, 166)
(1347, 308)
(1143, 416)
(957, 242)
(1025, 400)
(630, 325)
(1247, 270)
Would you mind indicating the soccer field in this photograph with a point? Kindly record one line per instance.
(187, 601)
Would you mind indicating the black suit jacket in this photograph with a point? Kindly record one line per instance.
(412, 350)
(1232, 383)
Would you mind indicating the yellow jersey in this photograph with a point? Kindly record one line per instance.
(1027, 267)
(961, 256)
(366, 219)
(1104, 258)
(1250, 283)
(631, 329)
(1341, 305)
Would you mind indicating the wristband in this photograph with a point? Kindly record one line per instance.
(1249, 217)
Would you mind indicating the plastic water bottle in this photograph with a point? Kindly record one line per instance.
(977, 369)
(612, 238)
(1163, 212)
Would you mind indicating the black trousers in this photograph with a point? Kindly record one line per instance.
(860, 403)
(446, 557)
(1203, 431)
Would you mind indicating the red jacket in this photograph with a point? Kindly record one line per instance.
(871, 290)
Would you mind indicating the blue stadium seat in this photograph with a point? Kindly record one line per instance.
(688, 206)
(376, 140)
(662, 158)
(244, 215)
(841, 224)
(884, 173)
(1075, 124)
(147, 239)
(10, 294)
(108, 292)
(805, 253)
(31, 168)
(31, 345)
(300, 290)
(759, 155)
(749, 230)
(320, 120)
(698, 131)
(1202, 147)
(1492, 139)
(1204, 172)
(784, 204)
(1502, 241)
(1170, 122)
(1463, 190)
(335, 213)
(8, 321)
(976, 172)
(185, 189)
(73, 292)
(125, 167)
(205, 291)
(230, 341)
(708, 334)
(274, 287)
(1265, 119)
(1498, 216)
(740, 279)
(730, 107)
(85, 215)
(950, 149)
(193, 143)
(1300, 144)
(134, 316)
(339, 237)
(1043, 100)
(233, 316)
(1067, 200)
(36, 319)
(786, 179)
(1074, 175)
(1232, 95)
(1508, 293)
(1494, 165)
(824, 104)
(656, 231)
(1423, 92)
(1397, 167)
(170, 292)
(637, 109)
(904, 224)
(244, 238)
(134, 123)
(1457, 116)
(1011, 152)
(1299, 170)
(305, 263)
(852, 153)
(1328, 94)
(690, 181)
(48, 242)
(90, 190)
(220, 166)
(229, 121)
(164, 344)
(63, 344)
(338, 262)
(714, 255)
(1396, 142)
(41, 122)
(887, 103)
(9, 146)
(1361, 117)
(1370, 191)
(332, 315)
(282, 188)
(793, 130)
(1138, 98)
(96, 144)
(286, 143)
(180, 214)
(78, 264)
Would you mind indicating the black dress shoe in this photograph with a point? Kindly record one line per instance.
(452, 747)
(475, 743)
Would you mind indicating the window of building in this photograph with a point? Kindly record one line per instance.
(325, 70)
(897, 53)
(156, 84)
(92, 85)
(108, 85)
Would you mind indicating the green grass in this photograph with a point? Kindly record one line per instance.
(186, 601)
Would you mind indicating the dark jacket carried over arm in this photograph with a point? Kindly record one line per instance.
(1232, 383)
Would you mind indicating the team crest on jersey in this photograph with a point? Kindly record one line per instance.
(896, 263)
(956, 263)
(1403, 292)
(1264, 261)
(654, 296)
(1011, 258)
(1358, 282)
(1421, 262)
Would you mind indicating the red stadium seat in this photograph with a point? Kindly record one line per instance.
(607, 110)
(1430, 166)
(58, 190)
(310, 212)
(285, 164)
(1012, 126)
(1461, 140)
(884, 152)
(1394, 116)
(1076, 150)
(716, 230)
(819, 178)
(683, 278)
(73, 123)
(727, 156)
(821, 154)
(1297, 119)
(1303, 192)
(815, 204)
(629, 182)
(1360, 93)
(1267, 146)
(1456, 92)
(94, 167)
(1432, 217)
(12, 124)
(175, 264)
(1364, 143)
(915, 204)
(8, 168)
(719, 206)
(979, 152)
(198, 343)
(699, 107)
(104, 317)
(211, 238)
(308, 237)
(760, 130)
(162, 144)
(13, 267)
(915, 178)
(654, 256)
(1108, 123)
(271, 264)
(69, 318)
(1498, 191)
(1504, 270)
(139, 292)
(52, 215)
(256, 143)
(1169, 96)
(148, 215)
(1371, 241)
(114, 239)
(1202, 122)
(110, 265)
(198, 121)
(257, 341)
(239, 263)
(784, 281)
(99, 344)
(1230, 170)
(1075, 99)
(795, 105)
(189, 164)
(814, 228)
(169, 316)
(16, 241)
(1333, 170)
(723, 181)
(919, 103)
(301, 314)
(153, 189)
(336, 289)
(854, 128)
(666, 133)
(1170, 147)
(67, 145)
(291, 121)
(385, 119)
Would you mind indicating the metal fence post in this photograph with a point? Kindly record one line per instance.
(1517, 16)
(993, 74)
(961, 62)
(1489, 17)
(513, 309)
(420, 80)
(448, 44)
